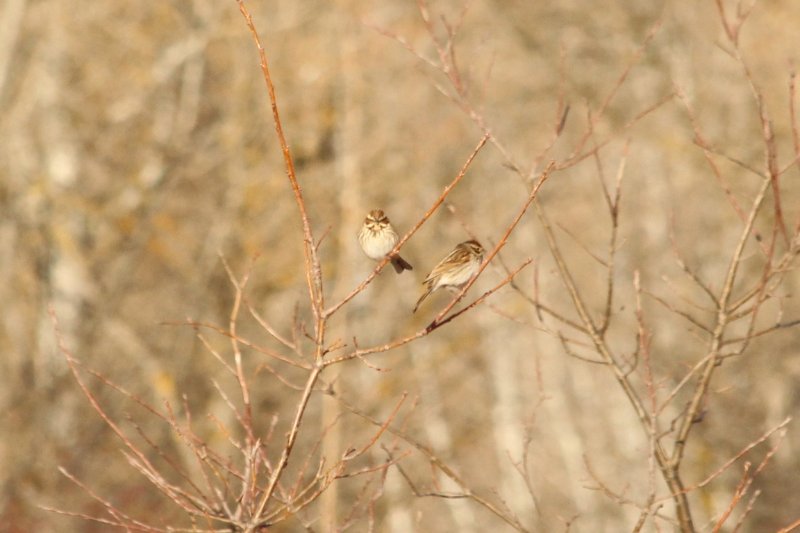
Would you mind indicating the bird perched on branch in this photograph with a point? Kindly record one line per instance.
(377, 238)
(455, 270)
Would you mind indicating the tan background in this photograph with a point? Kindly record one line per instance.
(136, 143)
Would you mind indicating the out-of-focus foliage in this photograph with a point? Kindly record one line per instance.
(136, 145)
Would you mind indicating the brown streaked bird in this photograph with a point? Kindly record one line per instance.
(454, 270)
(377, 238)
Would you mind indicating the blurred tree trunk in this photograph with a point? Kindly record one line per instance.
(507, 413)
(438, 433)
(66, 219)
(11, 19)
(348, 89)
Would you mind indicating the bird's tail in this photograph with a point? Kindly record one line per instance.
(400, 264)
(427, 293)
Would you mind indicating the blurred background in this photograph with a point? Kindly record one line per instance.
(136, 146)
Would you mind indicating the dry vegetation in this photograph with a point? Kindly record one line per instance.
(192, 340)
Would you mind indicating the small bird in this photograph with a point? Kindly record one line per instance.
(377, 238)
(454, 270)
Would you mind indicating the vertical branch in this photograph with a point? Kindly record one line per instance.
(668, 470)
(644, 335)
(732, 28)
(770, 152)
(237, 353)
(313, 276)
(793, 118)
(312, 264)
(613, 210)
(291, 438)
(723, 319)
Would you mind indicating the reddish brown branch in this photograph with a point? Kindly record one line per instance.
(502, 242)
(291, 438)
(312, 264)
(793, 120)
